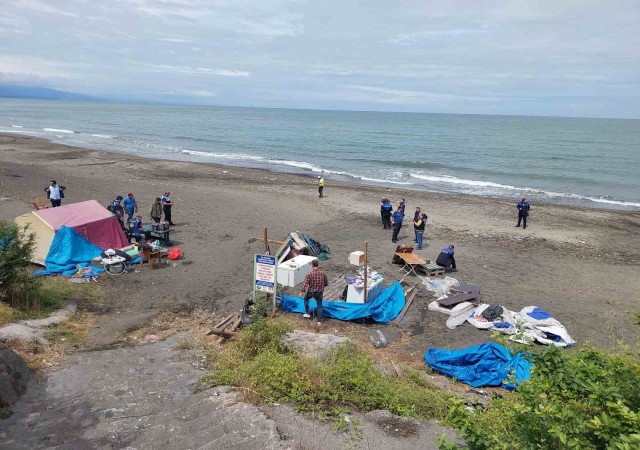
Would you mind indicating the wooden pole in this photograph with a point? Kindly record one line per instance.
(366, 263)
(266, 241)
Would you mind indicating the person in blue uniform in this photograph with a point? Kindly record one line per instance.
(386, 208)
(167, 204)
(135, 227)
(116, 208)
(130, 206)
(396, 220)
(523, 212)
(446, 259)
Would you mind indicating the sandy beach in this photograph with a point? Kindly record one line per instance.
(581, 265)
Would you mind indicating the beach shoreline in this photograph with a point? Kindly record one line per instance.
(578, 263)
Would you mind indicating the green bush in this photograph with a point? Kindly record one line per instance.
(587, 399)
(16, 248)
(268, 370)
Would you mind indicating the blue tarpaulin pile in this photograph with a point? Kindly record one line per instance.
(482, 365)
(383, 309)
(69, 250)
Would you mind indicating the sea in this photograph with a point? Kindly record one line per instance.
(585, 162)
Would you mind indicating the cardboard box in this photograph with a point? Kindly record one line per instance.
(356, 258)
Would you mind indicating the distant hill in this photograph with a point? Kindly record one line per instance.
(7, 91)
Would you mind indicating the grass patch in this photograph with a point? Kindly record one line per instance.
(49, 294)
(267, 370)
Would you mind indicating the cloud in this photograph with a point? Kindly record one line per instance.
(18, 67)
(422, 36)
(406, 96)
(200, 93)
(198, 70)
(42, 7)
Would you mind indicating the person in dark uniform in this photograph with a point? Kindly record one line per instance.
(386, 208)
(396, 220)
(167, 204)
(401, 205)
(447, 260)
(523, 212)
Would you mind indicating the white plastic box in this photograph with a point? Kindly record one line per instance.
(356, 258)
(291, 273)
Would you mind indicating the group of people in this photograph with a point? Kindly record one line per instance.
(129, 206)
(393, 220)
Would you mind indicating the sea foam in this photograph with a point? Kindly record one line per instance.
(59, 130)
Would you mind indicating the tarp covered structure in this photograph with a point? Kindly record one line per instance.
(67, 251)
(482, 365)
(89, 219)
(383, 309)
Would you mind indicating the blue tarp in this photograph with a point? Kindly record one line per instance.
(487, 364)
(68, 250)
(383, 309)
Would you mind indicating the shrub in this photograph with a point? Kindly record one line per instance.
(16, 248)
(588, 399)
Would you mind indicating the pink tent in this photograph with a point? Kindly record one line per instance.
(90, 219)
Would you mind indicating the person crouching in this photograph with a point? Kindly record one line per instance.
(447, 260)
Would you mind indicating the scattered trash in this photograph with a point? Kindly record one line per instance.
(151, 338)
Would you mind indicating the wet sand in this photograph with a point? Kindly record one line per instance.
(581, 265)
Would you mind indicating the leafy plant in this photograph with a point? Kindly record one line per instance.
(16, 248)
(588, 399)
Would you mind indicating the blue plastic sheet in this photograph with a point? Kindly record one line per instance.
(487, 364)
(68, 250)
(383, 309)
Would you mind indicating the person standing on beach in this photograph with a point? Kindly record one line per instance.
(386, 208)
(314, 284)
(320, 186)
(523, 212)
(416, 216)
(396, 220)
(167, 204)
(116, 208)
(156, 210)
(419, 224)
(401, 206)
(55, 193)
(130, 206)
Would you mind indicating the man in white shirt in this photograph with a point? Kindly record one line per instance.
(55, 193)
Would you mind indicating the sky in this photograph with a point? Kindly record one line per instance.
(545, 57)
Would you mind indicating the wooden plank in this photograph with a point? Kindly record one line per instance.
(398, 319)
(411, 258)
(223, 333)
(224, 322)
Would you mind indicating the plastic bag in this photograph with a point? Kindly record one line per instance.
(440, 287)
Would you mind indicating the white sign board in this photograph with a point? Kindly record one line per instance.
(265, 273)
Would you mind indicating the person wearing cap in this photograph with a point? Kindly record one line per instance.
(320, 186)
(55, 193)
(130, 206)
(446, 259)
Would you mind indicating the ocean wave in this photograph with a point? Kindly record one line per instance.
(59, 130)
(541, 192)
(16, 126)
(454, 180)
(105, 136)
